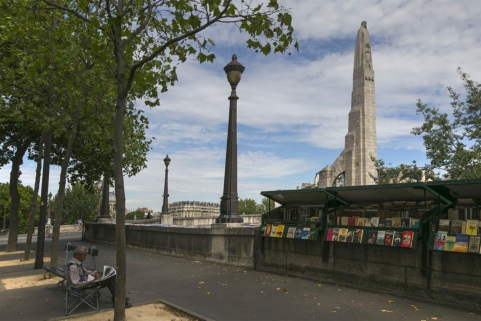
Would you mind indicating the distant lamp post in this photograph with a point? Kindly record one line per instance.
(4, 216)
(165, 205)
(229, 206)
(48, 214)
(49, 224)
(99, 189)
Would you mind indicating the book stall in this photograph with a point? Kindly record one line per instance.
(426, 237)
(394, 215)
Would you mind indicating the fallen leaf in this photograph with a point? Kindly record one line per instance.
(434, 318)
(261, 292)
(333, 311)
(390, 301)
(386, 311)
(278, 289)
(201, 282)
(209, 293)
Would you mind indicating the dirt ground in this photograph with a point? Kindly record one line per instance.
(147, 312)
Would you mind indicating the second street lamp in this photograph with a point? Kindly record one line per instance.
(229, 206)
(49, 224)
(165, 205)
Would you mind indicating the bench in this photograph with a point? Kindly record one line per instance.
(60, 270)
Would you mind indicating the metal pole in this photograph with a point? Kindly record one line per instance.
(229, 206)
(165, 205)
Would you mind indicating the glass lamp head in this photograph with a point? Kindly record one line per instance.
(234, 71)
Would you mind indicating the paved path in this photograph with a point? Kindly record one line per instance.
(215, 291)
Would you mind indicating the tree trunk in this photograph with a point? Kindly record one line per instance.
(61, 194)
(120, 108)
(33, 205)
(17, 160)
(42, 220)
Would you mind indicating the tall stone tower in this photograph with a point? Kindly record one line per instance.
(353, 166)
(361, 141)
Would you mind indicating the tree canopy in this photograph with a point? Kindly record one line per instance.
(453, 141)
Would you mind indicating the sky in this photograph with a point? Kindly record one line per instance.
(293, 109)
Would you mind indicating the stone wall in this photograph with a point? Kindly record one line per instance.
(217, 244)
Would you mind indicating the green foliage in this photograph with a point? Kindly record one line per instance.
(388, 174)
(249, 206)
(24, 210)
(265, 206)
(139, 215)
(453, 142)
(80, 202)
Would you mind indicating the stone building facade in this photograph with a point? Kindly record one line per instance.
(354, 164)
(194, 209)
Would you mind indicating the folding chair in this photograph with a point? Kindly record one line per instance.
(76, 295)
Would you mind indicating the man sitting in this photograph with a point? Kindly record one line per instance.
(79, 274)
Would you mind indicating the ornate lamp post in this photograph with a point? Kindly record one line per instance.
(229, 201)
(99, 189)
(165, 204)
(49, 224)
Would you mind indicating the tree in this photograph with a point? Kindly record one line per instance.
(80, 201)
(401, 173)
(144, 38)
(247, 206)
(135, 215)
(25, 197)
(265, 206)
(453, 142)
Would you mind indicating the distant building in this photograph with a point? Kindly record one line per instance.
(194, 209)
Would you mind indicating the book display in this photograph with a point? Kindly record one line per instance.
(377, 224)
(291, 232)
(461, 236)
(372, 237)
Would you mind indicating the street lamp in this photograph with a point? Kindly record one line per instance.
(99, 189)
(49, 224)
(165, 205)
(49, 202)
(229, 204)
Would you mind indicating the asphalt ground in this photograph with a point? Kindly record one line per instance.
(209, 291)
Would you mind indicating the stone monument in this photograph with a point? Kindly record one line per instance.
(353, 166)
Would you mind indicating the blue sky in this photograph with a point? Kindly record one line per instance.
(293, 110)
